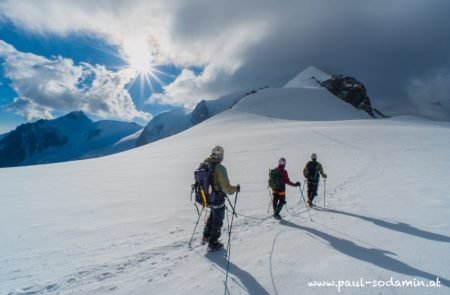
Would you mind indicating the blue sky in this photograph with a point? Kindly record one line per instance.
(57, 56)
(80, 49)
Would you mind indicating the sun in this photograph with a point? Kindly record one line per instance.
(138, 55)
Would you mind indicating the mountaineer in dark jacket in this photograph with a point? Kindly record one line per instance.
(312, 172)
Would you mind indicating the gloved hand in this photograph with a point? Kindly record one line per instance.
(297, 183)
(325, 176)
(238, 188)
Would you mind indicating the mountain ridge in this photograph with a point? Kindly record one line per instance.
(69, 137)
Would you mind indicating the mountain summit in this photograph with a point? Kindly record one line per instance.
(344, 87)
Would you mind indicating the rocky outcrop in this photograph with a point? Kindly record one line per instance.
(350, 90)
(28, 140)
(200, 113)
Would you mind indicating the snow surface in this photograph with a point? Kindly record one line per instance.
(308, 78)
(121, 224)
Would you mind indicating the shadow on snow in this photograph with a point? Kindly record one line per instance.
(399, 226)
(376, 257)
(251, 285)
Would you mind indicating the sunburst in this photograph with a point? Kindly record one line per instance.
(140, 59)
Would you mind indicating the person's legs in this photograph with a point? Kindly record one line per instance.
(216, 224)
(310, 194)
(275, 200)
(208, 226)
(282, 201)
(314, 187)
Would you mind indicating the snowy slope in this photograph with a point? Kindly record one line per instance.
(305, 104)
(165, 124)
(175, 121)
(308, 78)
(120, 224)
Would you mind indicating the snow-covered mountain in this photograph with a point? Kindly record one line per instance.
(344, 87)
(121, 224)
(175, 121)
(311, 77)
(71, 137)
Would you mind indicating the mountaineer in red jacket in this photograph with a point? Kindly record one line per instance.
(279, 192)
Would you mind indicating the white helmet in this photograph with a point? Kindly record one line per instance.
(313, 156)
(217, 152)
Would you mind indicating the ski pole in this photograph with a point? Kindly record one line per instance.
(270, 201)
(196, 207)
(324, 190)
(195, 203)
(301, 191)
(198, 219)
(229, 202)
(307, 209)
(228, 254)
(192, 190)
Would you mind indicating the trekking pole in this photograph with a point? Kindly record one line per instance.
(270, 200)
(234, 212)
(324, 190)
(228, 254)
(198, 219)
(195, 203)
(307, 209)
(301, 191)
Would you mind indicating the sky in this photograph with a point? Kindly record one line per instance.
(130, 60)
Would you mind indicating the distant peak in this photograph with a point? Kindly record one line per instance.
(76, 115)
(308, 78)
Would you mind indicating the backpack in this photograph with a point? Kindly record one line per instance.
(204, 184)
(275, 179)
(312, 171)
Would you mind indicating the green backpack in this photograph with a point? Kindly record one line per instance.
(274, 178)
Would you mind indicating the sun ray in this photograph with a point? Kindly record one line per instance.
(140, 59)
(149, 83)
(154, 69)
(157, 79)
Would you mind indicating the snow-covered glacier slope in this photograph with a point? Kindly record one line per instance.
(121, 224)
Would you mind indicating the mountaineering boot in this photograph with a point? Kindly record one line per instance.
(215, 246)
(310, 204)
(205, 240)
(277, 216)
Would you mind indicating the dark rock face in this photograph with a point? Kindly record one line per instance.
(27, 140)
(200, 113)
(71, 137)
(350, 90)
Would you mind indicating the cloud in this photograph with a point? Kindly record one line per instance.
(47, 85)
(253, 43)
(29, 109)
(189, 88)
(431, 95)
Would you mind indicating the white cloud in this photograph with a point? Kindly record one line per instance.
(431, 95)
(254, 43)
(29, 109)
(46, 85)
(188, 88)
